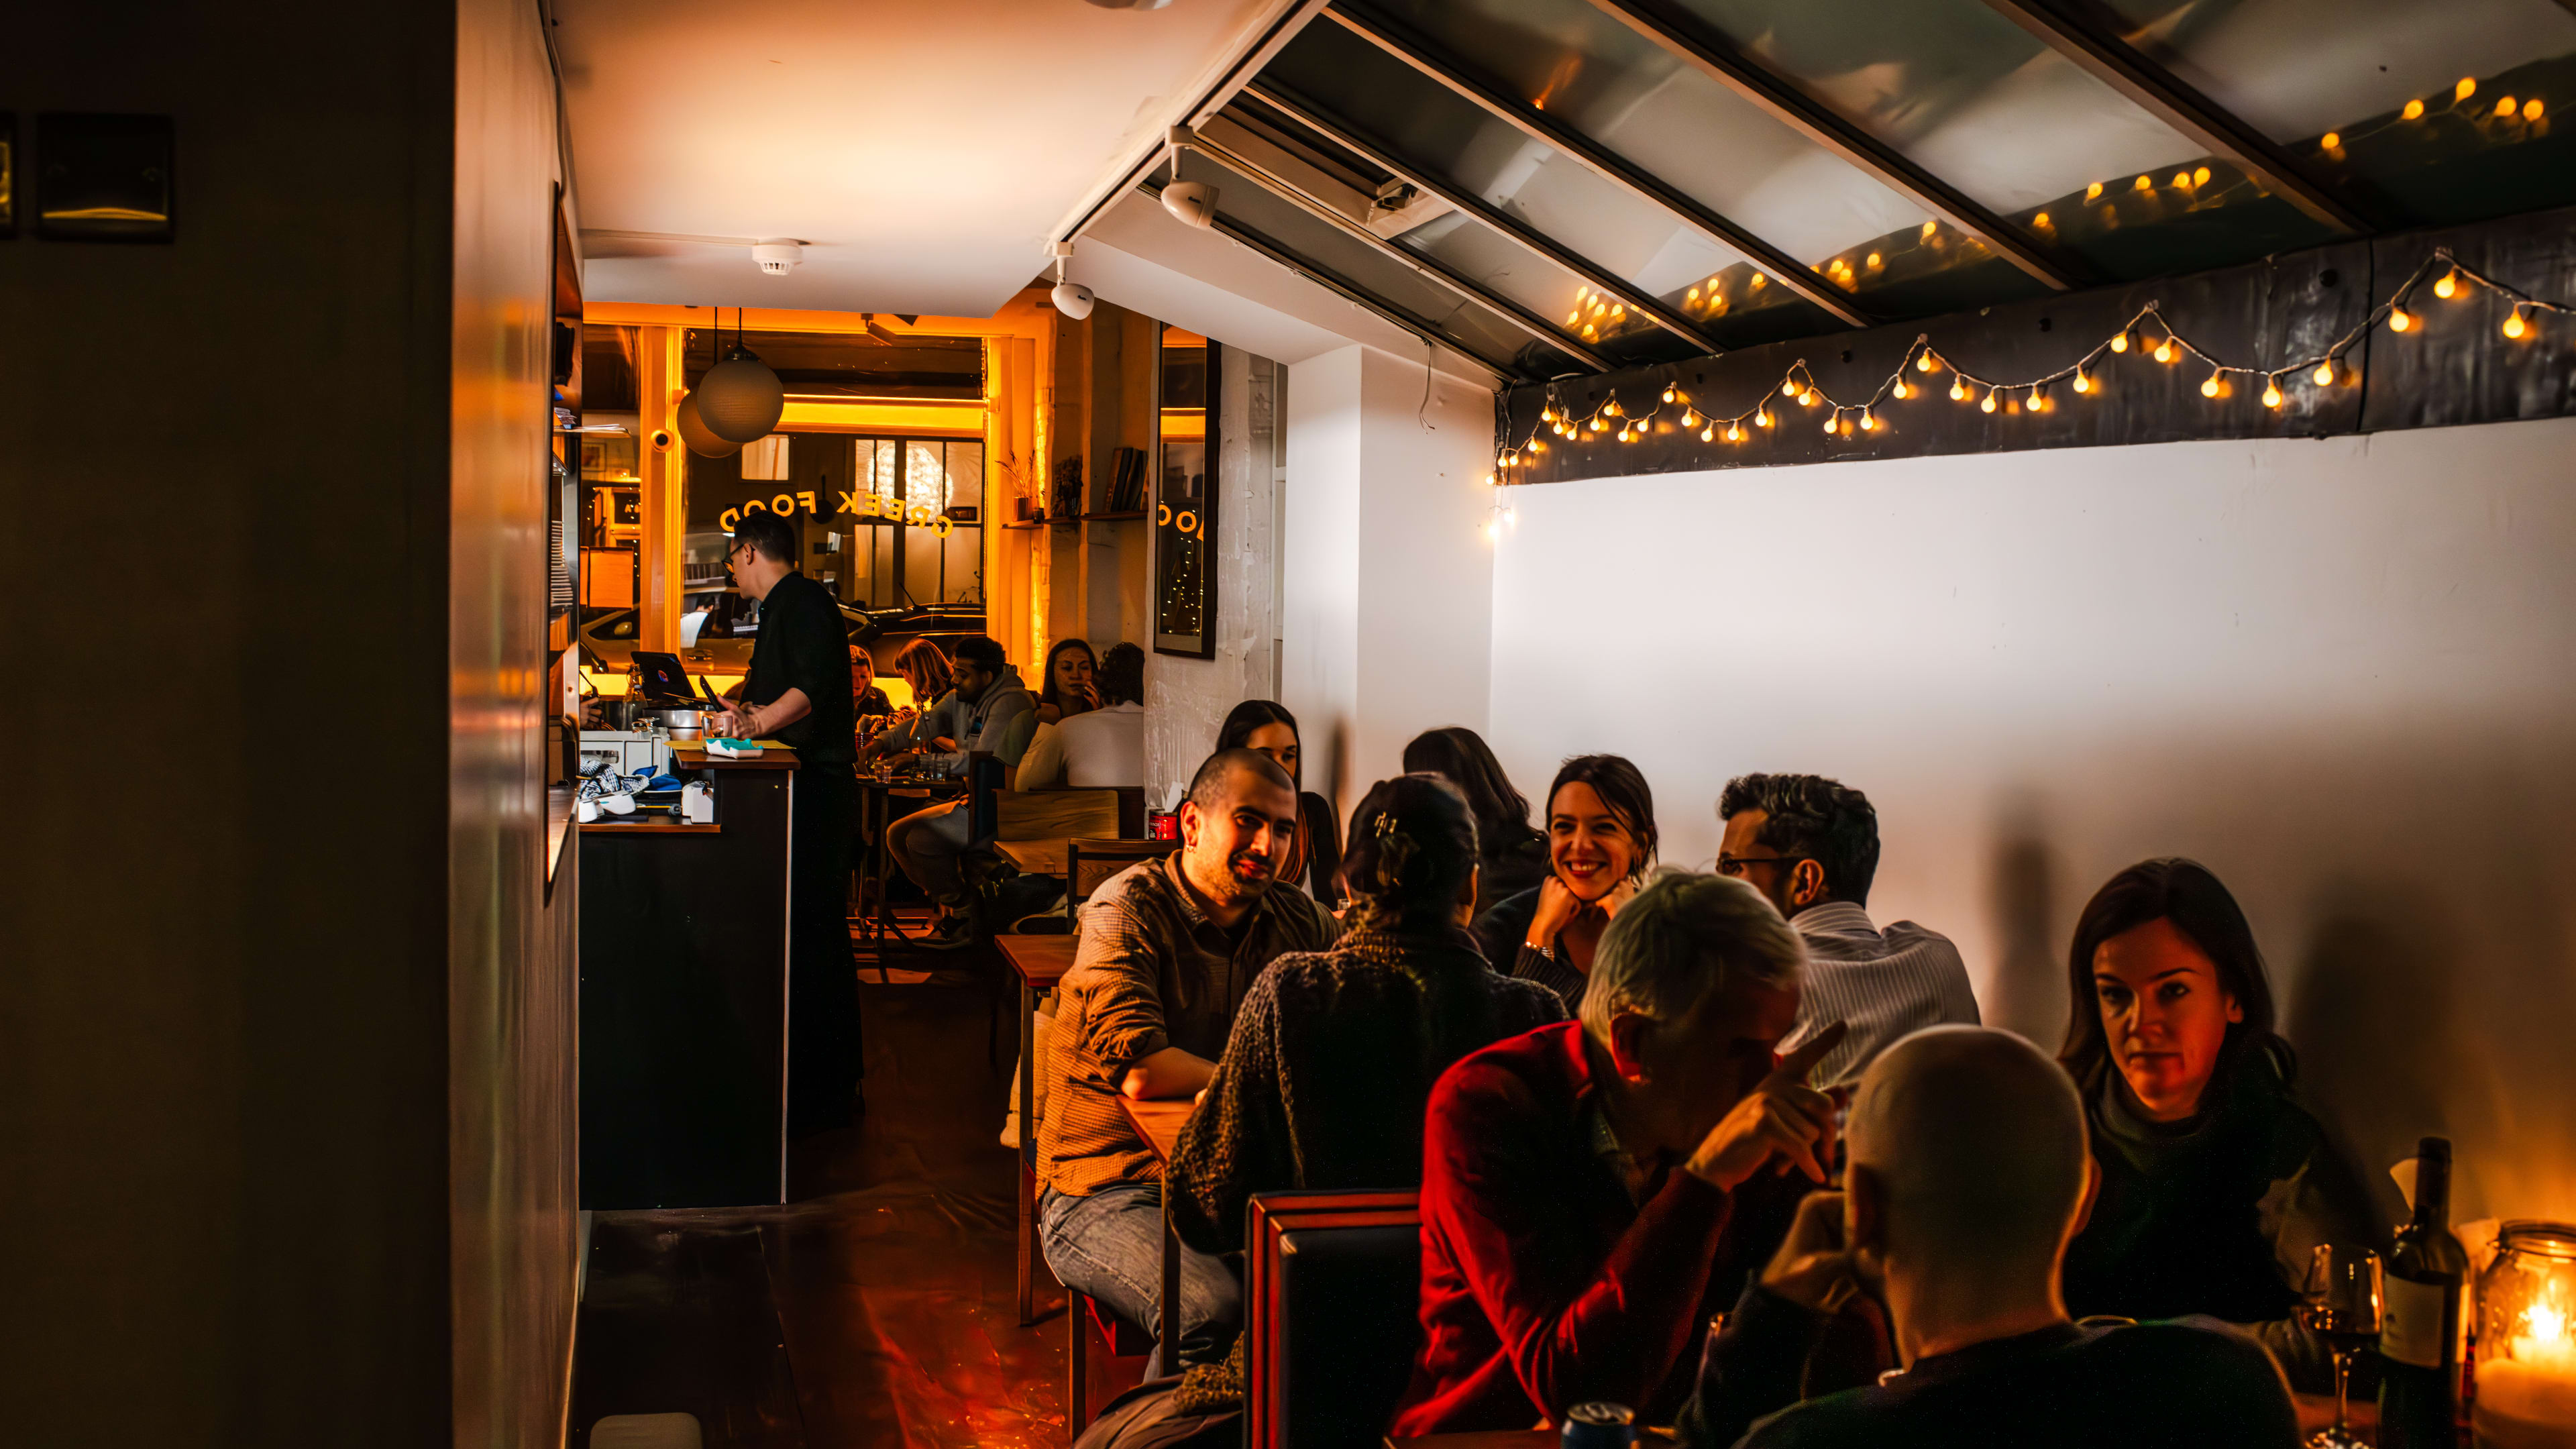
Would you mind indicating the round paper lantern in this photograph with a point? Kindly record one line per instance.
(694, 432)
(740, 399)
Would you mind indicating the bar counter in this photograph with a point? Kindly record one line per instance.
(684, 936)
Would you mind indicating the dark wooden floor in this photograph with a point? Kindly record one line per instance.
(873, 1310)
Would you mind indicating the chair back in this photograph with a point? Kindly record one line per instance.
(1091, 860)
(1332, 1284)
(1053, 814)
(983, 783)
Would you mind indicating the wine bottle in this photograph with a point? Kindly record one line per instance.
(2419, 1340)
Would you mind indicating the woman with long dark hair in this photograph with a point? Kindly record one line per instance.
(1315, 858)
(1065, 687)
(2216, 1186)
(1331, 1057)
(1513, 856)
(1600, 843)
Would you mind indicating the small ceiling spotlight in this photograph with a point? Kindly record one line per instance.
(1192, 201)
(777, 257)
(1071, 298)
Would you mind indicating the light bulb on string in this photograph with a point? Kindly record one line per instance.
(1831, 421)
(1762, 418)
(2514, 325)
(2121, 342)
(2083, 380)
(2399, 319)
(1988, 405)
(2210, 388)
(2449, 285)
(1927, 362)
(1611, 407)
(1668, 394)
(1734, 433)
(1788, 387)
(2039, 397)
(1868, 420)
(2271, 392)
(2165, 350)
(1958, 391)
(1690, 417)
(1709, 432)
(2324, 376)
(1807, 399)
(1900, 391)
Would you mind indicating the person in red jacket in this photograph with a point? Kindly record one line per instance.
(1593, 1191)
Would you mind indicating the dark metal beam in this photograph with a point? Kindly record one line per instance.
(1430, 266)
(1313, 118)
(2166, 97)
(1690, 41)
(1539, 126)
(1347, 290)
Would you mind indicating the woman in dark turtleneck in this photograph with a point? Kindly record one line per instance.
(2216, 1186)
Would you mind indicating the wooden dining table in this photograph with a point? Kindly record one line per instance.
(1036, 857)
(1159, 1124)
(1039, 962)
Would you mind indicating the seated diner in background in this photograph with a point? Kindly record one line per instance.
(1593, 1191)
(865, 698)
(1315, 861)
(925, 670)
(1810, 845)
(1064, 685)
(1333, 1054)
(1967, 1177)
(2216, 1186)
(988, 710)
(1512, 854)
(1099, 749)
(1168, 950)
(1600, 843)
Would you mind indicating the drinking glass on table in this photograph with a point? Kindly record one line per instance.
(2342, 1308)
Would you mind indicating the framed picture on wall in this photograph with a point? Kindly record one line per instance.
(1184, 503)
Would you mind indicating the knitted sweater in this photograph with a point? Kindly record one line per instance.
(1325, 1074)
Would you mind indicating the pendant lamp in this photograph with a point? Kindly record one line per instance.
(693, 431)
(740, 399)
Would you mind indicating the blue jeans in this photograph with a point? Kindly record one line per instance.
(1110, 1245)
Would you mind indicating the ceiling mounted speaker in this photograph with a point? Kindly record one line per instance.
(1072, 299)
(740, 398)
(693, 431)
(1191, 201)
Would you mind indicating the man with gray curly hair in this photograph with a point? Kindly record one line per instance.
(1592, 1191)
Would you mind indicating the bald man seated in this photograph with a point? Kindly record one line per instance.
(1968, 1175)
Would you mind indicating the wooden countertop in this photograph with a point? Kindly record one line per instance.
(1159, 1123)
(1041, 961)
(692, 755)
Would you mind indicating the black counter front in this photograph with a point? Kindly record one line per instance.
(684, 997)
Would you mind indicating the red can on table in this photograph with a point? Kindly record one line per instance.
(1162, 825)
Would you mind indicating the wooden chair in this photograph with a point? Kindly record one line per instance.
(1332, 1284)
(1089, 861)
(1084, 1316)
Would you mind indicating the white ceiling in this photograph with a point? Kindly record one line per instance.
(923, 152)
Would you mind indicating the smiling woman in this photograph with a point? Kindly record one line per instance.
(2216, 1187)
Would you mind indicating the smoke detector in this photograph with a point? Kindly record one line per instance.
(777, 258)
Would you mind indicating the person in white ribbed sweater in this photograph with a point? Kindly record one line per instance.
(1810, 845)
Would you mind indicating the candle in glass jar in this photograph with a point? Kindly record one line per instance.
(2527, 1393)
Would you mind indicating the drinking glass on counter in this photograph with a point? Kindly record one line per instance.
(2344, 1298)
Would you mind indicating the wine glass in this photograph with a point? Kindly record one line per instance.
(2342, 1308)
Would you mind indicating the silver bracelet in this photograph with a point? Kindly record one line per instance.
(1547, 951)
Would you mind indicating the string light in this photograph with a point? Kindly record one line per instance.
(2448, 276)
(2467, 87)
(2414, 110)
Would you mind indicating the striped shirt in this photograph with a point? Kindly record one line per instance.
(1884, 984)
(1152, 971)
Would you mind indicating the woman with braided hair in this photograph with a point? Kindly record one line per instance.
(1333, 1053)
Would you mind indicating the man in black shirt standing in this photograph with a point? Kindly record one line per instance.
(798, 693)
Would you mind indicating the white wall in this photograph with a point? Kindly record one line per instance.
(2342, 674)
(1388, 567)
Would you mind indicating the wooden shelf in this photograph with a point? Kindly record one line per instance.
(1112, 517)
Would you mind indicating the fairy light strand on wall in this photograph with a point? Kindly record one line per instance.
(2147, 332)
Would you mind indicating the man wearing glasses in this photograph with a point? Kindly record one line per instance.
(798, 693)
(1810, 845)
